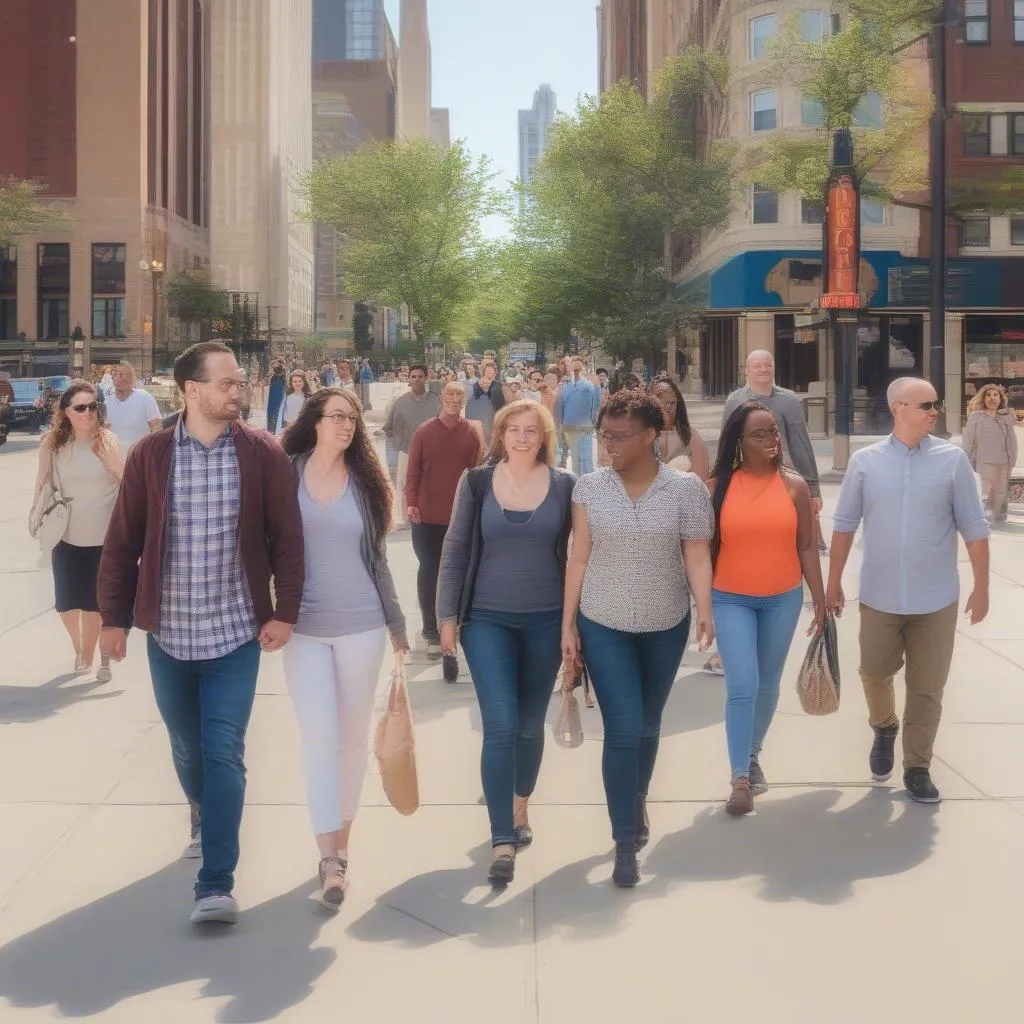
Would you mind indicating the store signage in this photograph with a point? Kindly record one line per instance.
(843, 216)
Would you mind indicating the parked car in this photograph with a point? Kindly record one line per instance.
(34, 398)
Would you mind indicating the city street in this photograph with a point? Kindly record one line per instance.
(839, 901)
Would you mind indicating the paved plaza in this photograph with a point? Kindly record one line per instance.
(839, 902)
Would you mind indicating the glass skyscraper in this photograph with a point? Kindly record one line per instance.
(348, 30)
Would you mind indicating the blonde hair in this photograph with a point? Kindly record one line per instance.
(977, 403)
(548, 442)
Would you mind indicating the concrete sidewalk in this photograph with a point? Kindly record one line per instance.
(839, 901)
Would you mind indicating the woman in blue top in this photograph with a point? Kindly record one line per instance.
(501, 581)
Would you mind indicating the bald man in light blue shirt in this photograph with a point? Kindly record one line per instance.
(913, 493)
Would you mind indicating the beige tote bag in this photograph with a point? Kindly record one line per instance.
(395, 745)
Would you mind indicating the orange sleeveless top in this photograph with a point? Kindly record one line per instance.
(758, 553)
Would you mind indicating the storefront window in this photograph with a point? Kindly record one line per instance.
(887, 347)
(994, 352)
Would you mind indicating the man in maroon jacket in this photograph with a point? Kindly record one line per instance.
(207, 513)
(442, 449)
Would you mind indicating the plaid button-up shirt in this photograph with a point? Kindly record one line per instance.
(205, 605)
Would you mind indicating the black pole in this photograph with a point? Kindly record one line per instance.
(937, 349)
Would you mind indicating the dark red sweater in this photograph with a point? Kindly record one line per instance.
(438, 457)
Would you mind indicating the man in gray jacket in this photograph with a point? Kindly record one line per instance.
(406, 414)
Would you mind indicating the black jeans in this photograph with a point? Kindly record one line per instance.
(427, 541)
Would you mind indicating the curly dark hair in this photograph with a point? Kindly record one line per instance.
(62, 429)
(728, 443)
(635, 404)
(360, 457)
(682, 423)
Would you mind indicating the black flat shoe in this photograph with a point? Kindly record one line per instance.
(626, 873)
(502, 870)
(524, 836)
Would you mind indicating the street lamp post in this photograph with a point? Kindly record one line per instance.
(155, 268)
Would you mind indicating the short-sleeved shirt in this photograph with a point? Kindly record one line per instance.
(129, 418)
(635, 580)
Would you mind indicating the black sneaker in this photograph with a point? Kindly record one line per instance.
(919, 786)
(758, 783)
(626, 872)
(643, 822)
(882, 752)
(450, 668)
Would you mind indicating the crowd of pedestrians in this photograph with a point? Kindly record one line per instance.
(224, 543)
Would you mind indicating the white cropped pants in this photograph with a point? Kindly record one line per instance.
(332, 684)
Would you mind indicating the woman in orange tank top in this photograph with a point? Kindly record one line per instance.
(763, 549)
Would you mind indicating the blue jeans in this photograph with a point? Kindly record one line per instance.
(580, 442)
(206, 706)
(754, 635)
(514, 659)
(632, 675)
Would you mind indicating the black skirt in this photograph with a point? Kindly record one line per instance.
(75, 574)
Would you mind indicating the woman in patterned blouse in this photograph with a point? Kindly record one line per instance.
(630, 624)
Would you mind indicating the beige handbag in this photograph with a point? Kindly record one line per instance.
(818, 682)
(395, 745)
(51, 512)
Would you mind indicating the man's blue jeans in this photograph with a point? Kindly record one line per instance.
(754, 636)
(514, 659)
(206, 707)
(632, 675)
(580, 442)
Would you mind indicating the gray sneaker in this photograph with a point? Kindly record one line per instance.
(219, 907)
(194, 850)
(758, 783)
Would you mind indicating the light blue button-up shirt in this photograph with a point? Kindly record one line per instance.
(912, 502)
(578, 404)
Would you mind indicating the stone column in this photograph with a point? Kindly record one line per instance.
(759, 334)
(954, 372)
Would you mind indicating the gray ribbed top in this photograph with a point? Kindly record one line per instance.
(519, 570)
(339, 597)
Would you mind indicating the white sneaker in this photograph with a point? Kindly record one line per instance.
(104, 675)
(433, 651)
(194, 850)
(220, 907)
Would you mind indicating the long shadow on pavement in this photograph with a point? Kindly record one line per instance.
(22, 704)
(138, 940)
(799, 847)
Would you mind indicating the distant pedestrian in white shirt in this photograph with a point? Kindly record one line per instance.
(131, 412)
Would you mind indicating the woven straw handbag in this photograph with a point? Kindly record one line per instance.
(818, 682)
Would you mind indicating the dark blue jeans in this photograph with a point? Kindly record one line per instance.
(514, 659)
(206, 707)
(632, 675)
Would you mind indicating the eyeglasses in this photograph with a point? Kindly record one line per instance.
(609, 438)
(338, 418)
(768, 433)
(90, 407)
(926, 406)
(227, 383)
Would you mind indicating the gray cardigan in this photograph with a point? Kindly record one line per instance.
(789, 411)
(375, 557)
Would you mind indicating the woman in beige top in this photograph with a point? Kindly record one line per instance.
(680, 446)
(990, 441)
(85, 462)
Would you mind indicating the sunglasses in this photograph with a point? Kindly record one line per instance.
(91, 407)
(927, 406)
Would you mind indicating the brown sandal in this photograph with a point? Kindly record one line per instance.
(333, 885)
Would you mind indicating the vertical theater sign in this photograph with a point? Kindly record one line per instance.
(841, 246)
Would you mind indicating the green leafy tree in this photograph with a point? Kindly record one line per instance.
(624, 184)
(362, 328)
(314, 351)
(22, 212)
(409, 216)
(840, 75)
(193, 298)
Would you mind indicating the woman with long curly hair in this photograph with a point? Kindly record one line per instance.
(764, 547)
(81, 459)
(990, 442)
(680, 445)
(349, 606)
(640, 534)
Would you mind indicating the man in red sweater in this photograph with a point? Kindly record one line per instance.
(442, 449)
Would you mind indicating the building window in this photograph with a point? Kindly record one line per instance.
(976, 134)
(817, 26)
(762, 110)
(975, 233)
(869, 111)
(872, 213)
(108, 318)
(8, 293)
(766, 205)
(811, 212)
(1017, 134)
(108, 269)
(53, 289)
(812, 113)
(976, 21)
(1018, 21)
(761, 31)
(1017, 230)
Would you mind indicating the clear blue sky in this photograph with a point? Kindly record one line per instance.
(490, 56)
